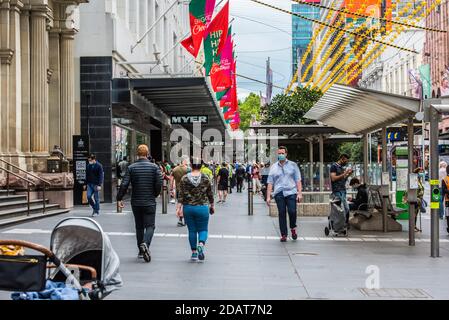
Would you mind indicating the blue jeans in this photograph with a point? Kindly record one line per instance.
(92, 191)
(197, 220)
(344, 200)
(285, 204)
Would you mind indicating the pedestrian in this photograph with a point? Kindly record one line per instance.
(94, 181)
(339, 175)
(256, 178)
(222, 182)
(264, 173)
(123, 165)
(240, 174)
(361, 200)
(420, 205)
(146, 180)
(442, 175)
(206, 171)
(445, 196)
(179, 172)
(284, 184)
(195, 203)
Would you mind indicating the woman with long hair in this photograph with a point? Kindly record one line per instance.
(195, 203)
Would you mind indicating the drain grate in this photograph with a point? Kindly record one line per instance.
(396, 293)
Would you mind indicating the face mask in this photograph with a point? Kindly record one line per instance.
(189, 169)
(91, 162)
(282, 157)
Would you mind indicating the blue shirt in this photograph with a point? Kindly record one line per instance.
(284, 178)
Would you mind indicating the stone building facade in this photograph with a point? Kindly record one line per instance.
(37, 79)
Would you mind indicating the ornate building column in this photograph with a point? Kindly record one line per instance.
(54, 107)
(39, 82)
(15, 101)
(26, 78)
(67, 91)
(6, 55)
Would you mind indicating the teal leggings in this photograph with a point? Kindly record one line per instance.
(197, 219)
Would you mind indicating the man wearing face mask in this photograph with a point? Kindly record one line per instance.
(284, 182)
(339, 174)
(94, 181)
(179, 172)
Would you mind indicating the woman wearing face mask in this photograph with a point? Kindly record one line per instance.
(194, 198)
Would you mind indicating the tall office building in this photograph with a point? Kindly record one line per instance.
(302, 32)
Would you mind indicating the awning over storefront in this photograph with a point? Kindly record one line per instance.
(359, 111)
(181, 100)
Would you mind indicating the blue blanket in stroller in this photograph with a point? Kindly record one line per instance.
(53, 291)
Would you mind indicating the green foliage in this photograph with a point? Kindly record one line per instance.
(248, 109)
(355, 150)
(290, 109)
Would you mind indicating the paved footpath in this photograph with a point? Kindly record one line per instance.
(245, 260)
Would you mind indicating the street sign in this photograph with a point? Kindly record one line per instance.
(80, 155)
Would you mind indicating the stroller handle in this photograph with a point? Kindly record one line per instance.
(29, 245)
(92, 271)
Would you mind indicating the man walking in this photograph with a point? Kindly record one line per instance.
(339, 174)
(284, 182)
(222, 181)
(146, 180)
(179, 172)
(94, 181)
(240, 173)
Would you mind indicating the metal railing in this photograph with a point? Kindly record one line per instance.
(44, 182)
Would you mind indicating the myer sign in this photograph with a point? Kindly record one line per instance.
(189, 119)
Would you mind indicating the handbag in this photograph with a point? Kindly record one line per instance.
(23, 273)
(84, 201)
(423, 207)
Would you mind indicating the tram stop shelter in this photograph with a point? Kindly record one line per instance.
(362, 111)
(308, 134)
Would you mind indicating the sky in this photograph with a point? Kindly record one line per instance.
(255, 42)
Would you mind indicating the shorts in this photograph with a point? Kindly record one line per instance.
(223, 187)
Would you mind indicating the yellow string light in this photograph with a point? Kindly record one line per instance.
(344, 10)
(316, 32)
(378, 52)
(321, 46)
(329, 51)
(324, 87)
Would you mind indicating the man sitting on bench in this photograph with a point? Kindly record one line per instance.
(360, 203)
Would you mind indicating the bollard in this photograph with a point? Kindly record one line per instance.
(250, 198)
(119, 210)
(164, 196)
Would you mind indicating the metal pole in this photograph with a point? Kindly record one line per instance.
(169, 51)
(434, 212)
(412, 203)
(365, 160)
(250, 198)
(384, 183)
(164, 197)
(321, 167)
(311, 164)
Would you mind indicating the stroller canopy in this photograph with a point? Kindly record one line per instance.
(73, 237)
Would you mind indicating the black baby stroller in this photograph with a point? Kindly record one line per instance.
(337, 220)
(81, 255)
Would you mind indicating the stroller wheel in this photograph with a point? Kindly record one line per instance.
(326, 231)
(96, 294)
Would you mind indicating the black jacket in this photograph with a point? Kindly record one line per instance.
(146, 179)
(361, 200)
